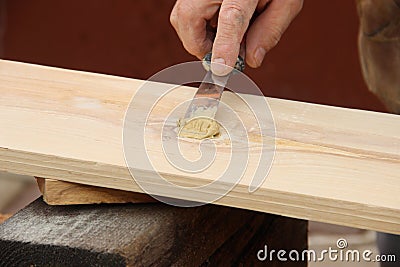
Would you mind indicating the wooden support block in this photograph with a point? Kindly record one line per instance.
(4, 217)
(331, 164)
(65, 193)
(279, 233)
(143, 235)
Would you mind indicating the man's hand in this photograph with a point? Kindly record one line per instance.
(198, 22)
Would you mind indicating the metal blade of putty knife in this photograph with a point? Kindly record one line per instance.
(206, 100)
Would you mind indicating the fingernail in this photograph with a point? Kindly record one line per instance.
(219, 67)
(259, 56)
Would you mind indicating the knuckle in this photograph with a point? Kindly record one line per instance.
(231, 23)
(296, 6)
(275, 36)
(232, 13)
(181, 11)
(184, 9)
(227, 31)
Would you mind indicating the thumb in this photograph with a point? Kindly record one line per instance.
(233, 20)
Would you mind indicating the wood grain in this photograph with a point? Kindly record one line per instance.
(66, 193)
(331, 164)
(241, 248)
(136, 235)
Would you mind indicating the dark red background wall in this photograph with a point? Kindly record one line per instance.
(316, 60)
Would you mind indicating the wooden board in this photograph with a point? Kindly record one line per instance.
(143, 235)
(331, 164)
(66, 193)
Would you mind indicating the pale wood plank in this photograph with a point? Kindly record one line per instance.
(332, 164)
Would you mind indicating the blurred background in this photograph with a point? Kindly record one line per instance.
(315, 61)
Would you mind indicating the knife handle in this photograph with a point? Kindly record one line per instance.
(239, 66)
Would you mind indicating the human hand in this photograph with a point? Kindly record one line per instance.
(198, 22)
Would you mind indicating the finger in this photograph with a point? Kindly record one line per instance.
(268, 28)
(189, 19)
(233, 20)
(262, 5)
